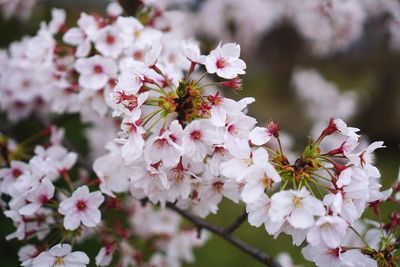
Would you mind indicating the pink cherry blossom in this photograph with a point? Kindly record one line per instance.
(95, 71)
(298, 208)
(225, 61)
(81, 208)
(61, 255)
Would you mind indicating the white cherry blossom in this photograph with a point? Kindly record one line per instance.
(61, 255)
(298, 208)
(225, 62)
(95, 72)
(81, 208)
(329, 230)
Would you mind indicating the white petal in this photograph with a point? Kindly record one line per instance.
(72, 222)
(43, 260)
(252, 192)
(259, 136)
(91, 217)
(29, 209)
(76, 257)
(301, 219)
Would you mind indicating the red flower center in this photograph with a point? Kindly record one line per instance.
(220, 63)
(231, 129)
(218, 186)
(43, 199)
(335, 252)
(16, 172)
(110, 39)
(81, 205)
(138, 55)
(98, 69)
(195, 135)
(161, 143)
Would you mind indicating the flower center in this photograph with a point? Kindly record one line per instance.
(81, 205)
(218, 186)
(326, 226)
(220, 63)
(173, 138)
(161, 143)
(335, 252)
(58, 261)
(110, 39)
(195, 135)
(16, 173)
(43, 199)
(248, 162)
(138, 56)
(98, 69)
(131, 127)
(178, 175)
(297, 202)
(26, 83)
(267, 182)
(219, 150)
(232, 129)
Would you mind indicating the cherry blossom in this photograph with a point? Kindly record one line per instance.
(81, 36)
(225, 62)
(262, 177)
(365, 158)
(108, 42)
(297, 207)
(38, 197)
(81, 208)
(329, 230)
(191, 52)
(105, 256)
(61, 255)
(95, 71)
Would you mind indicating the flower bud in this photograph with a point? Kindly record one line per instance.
(273, 128)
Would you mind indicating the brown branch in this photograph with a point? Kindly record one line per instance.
(195, 220)
(236, 224)
(202, 224)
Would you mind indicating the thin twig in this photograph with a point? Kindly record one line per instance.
(201, 224)
(236, 224)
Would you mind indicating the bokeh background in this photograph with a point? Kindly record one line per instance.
(370, 67)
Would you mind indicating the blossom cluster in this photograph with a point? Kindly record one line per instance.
(20, 9)
(43, 72)
(180, 144)
(331, 188)
(328, 26)
(42, 209)
(156, 103)
(322, 98)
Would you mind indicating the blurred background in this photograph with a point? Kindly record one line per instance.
(304, 65)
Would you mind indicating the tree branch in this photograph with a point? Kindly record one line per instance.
(195, 220)
(236, 224)
(202, 224)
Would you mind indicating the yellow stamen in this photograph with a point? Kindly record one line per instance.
(58, 261)
(297, 202)
(267, 182)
